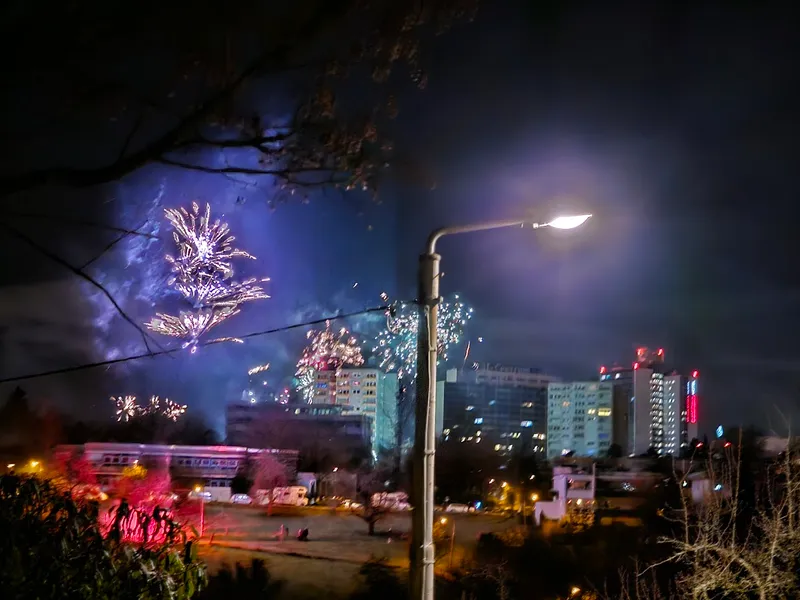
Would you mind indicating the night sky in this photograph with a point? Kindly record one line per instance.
(673, 124)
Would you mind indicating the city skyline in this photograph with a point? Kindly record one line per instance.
(669, 156)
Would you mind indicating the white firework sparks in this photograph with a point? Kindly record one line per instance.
(396, 345)
(127, 408)
(258, 369)
(173, 410)
(327, 351)
(202, 272)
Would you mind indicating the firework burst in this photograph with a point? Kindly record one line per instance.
(327, 350)
(258, 369)
(172, 410)
(127, 408)
(201, 272)
(396, 345)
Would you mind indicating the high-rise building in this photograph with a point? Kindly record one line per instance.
(580, 418)
(680, 411)
(503, 406)
(363, 391)
(661, 412)
(673, 414)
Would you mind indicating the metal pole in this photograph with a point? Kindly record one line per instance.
(421, 552)
(202, 515)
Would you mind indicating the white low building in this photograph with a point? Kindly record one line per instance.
(573, 492)
(206, 466)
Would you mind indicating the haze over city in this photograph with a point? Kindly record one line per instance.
(442, 300)
(670, 154)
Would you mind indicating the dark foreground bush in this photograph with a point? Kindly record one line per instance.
(53, 547)
(379, 580)
(243, 582)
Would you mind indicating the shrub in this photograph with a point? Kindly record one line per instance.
(241, 582)
(54, 547)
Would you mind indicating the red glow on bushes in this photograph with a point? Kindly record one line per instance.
(140, 525)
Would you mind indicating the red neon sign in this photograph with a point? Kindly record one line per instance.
(635, 366)
(691, 408)
(695, 374)
(602, 370)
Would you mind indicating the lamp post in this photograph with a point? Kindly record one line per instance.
(199, 491)
(421, 551)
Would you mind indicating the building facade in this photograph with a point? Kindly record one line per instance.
(503, 406)
(580, 418)
(372, 393)
(209, 466)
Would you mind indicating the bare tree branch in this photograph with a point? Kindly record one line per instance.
(172, 139)
(370, 35)
(57, 259)
(131, 134)
(78, 223)
(106, 249)
(286, 174)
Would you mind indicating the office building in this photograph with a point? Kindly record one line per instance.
(501, 405)
(363, 391)
(507, 376)
(661, 405)
(210, 466)
(580, 418)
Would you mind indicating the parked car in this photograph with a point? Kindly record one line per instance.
(204, 496)
(457, 508)
(241, 499)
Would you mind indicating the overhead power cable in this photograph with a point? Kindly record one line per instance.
(124, 359)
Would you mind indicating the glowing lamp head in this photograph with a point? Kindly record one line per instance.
(569, 221)
(636, 366)
(695, 374)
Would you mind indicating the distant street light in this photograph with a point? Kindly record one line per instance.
(421, 551)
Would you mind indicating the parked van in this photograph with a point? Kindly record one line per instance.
(293, 495)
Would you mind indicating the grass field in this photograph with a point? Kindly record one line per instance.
(338, 544)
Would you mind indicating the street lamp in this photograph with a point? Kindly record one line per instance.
(421, 552)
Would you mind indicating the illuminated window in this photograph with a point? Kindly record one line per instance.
(526, 424)
(478, 420)
(603, 412)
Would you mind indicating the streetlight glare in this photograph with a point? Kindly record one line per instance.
(569, 221)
